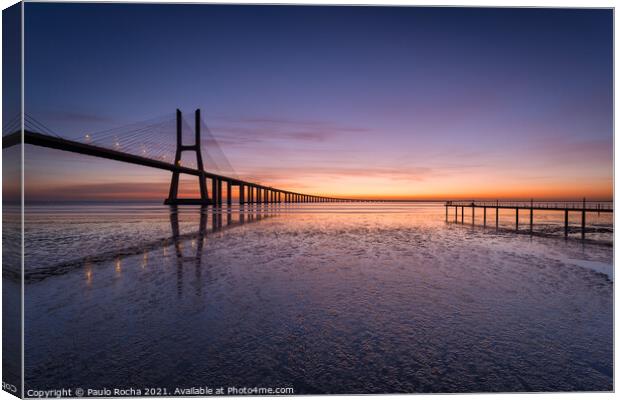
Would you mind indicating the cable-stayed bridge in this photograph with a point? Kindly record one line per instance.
(148, 143)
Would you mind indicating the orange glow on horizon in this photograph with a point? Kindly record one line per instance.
(157, 191)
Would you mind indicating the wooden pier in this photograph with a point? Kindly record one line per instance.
(583, 207)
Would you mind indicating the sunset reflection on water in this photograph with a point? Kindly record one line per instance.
(291, 295)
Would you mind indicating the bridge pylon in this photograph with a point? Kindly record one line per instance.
(173, 198)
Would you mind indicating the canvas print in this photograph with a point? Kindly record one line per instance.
(232, 199)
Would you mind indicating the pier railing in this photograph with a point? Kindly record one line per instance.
(603, 206)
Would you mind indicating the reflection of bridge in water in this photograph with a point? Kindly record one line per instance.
(211, 220)
(198, 238)
(147, 144)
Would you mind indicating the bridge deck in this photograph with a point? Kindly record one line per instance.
(42, 140)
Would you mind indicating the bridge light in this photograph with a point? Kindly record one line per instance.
(87, 138)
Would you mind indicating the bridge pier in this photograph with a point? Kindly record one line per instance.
(173, 195)
(241, 194)
(214, 190)
(228, 193)
(219, 192)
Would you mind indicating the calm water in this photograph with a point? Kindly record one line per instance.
(321, 298)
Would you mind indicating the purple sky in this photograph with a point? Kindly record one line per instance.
(346, 101)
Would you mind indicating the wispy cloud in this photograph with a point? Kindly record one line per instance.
(244, 131)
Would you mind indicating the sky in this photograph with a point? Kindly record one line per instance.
(369, 102)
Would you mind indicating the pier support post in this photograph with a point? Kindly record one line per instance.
(473, 215)
(484, 219)
(241, 194)
(462, 215)
(583, 220)
(566, 223)
(229, 193)
(531, 215)
(496, 217)
(446, 213)
(517, 219)
(456, 214)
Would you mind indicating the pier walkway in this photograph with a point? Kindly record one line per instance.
(583, 207)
